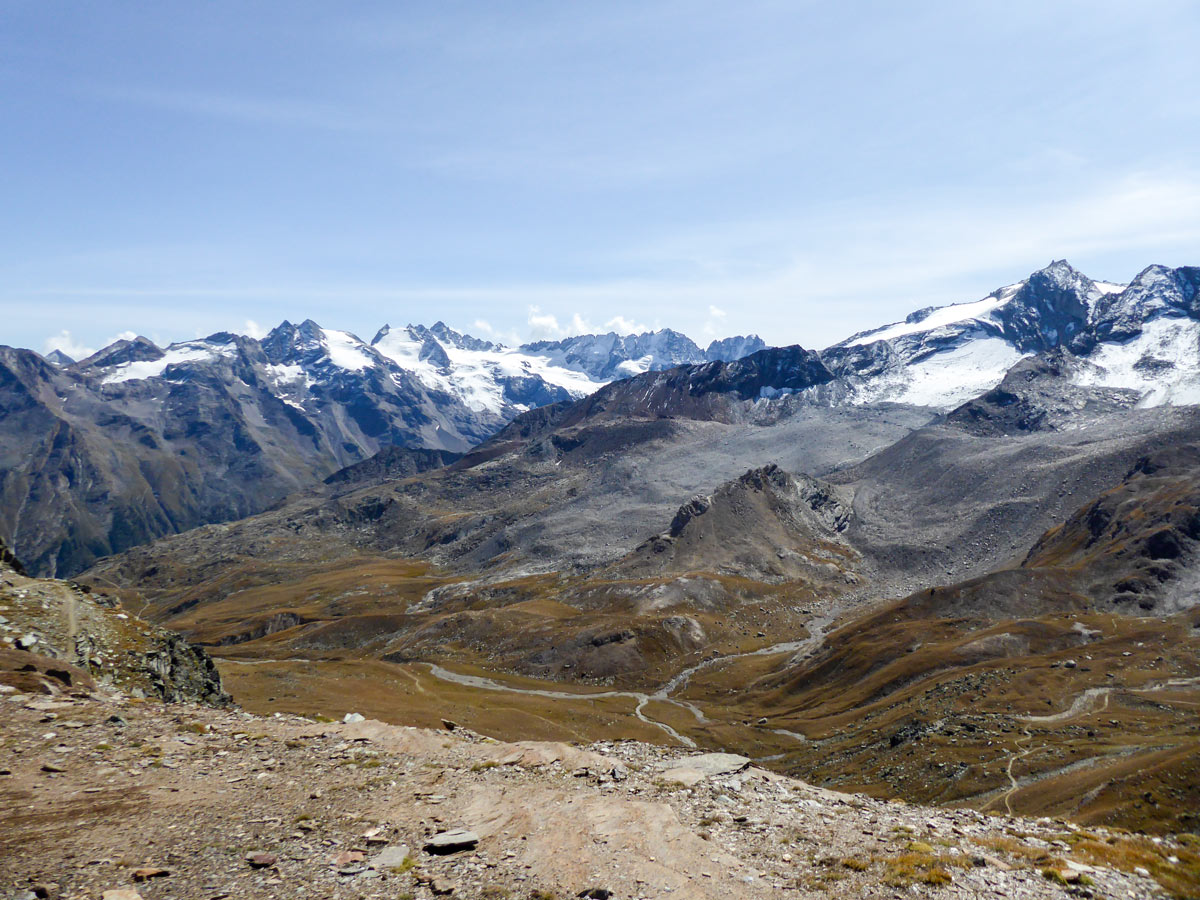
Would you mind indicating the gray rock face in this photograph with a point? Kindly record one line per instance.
(731, 348)
(91, 636)
(181, 671)
(391, 464)
(390, 857)
(767, 524)
(1037, 394)
(1156, 291)
(1049, 309)
(8, 561)
(714, 391)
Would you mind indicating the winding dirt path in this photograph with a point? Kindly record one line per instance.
(1086, 702)
(1007, 795)
(817, 628)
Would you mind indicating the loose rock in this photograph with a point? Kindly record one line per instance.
(452, 841)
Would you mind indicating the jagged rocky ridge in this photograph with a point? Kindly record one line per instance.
(767, 524)
(57, 635)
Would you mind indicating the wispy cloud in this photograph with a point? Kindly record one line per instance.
(77, 350)
(545, 326)
(811, 281)
(277, 111)
(65, 343)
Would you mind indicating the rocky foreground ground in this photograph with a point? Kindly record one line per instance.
(107, 796)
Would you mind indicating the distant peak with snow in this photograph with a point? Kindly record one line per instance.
(1142, 337)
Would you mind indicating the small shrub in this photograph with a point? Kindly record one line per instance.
(407, 865)
(1054, 875)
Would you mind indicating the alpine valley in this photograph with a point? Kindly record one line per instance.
(954, 559)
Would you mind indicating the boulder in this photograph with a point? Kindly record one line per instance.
(695, 769)
(454, 841)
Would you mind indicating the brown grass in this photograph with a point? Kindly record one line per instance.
(1180, 879)
(915, 867)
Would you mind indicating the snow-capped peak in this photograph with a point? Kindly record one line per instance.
(483, 375)
(310, 345)
(941, 356)
(1156, 291)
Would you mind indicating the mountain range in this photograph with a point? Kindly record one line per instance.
(139, 441)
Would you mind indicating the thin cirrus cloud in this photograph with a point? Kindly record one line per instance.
(274, 111)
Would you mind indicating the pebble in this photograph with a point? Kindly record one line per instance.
(149, 872)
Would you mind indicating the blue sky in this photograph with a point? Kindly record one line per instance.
(801, 170)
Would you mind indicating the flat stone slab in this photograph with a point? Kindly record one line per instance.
(390, 858)
(452, 841)
(695, 769)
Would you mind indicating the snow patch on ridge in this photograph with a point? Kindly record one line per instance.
(1162, 363)
(944, 380)
(176, 354)
(940, 317)
(346, 351)
(282, 374)
(636, 366)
